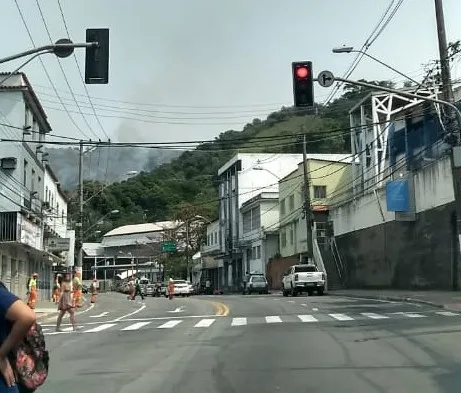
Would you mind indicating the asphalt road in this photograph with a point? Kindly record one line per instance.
(264, 344)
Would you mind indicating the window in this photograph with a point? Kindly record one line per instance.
(215, 237)
(27, 117)
(47, 197)
(292, 236)
(258, 252)
(24, 178)
(253, 253)
(255, 218)
(247, 222)
(284, 238)
(32, 181)
(62, 216)
(57, 209)
(320, 192)
(282, 206)
(248, 254)
(291, 202)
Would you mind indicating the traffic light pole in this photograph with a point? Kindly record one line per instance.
(307, 205)
(60, 50)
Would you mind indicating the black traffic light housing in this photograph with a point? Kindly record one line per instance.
(97, 58)
(303, 84)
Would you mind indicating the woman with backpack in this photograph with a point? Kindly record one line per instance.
(16, 318)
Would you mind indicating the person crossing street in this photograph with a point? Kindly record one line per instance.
(137, 290)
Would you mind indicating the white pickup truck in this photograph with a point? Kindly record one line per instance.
(303, 278)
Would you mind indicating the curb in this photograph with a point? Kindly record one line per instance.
(392, 298)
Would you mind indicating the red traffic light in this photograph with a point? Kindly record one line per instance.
(302, 72)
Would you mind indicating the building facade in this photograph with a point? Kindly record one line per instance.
(212, 263)
(22, 174)
(260, 230)
(243, 177)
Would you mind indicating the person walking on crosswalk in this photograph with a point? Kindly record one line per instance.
(137, 289)
(32, 291)
(66, 303)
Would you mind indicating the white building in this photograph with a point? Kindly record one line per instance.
(22, 173)
(243, 177)
(212, 264)
(260, 225)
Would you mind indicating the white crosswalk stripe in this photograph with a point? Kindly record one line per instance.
(341, 317)
(100, 328)
(412, 315)
(273, 319)
(239, 321)
(373, 315)
(137, 326)
(204, 323)
(170, 324)
(307, 318)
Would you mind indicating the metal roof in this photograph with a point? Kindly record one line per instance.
(93, 249)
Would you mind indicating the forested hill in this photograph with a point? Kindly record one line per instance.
(190, 179)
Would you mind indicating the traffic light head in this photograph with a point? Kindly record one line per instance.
(303, 84)
(97, 58)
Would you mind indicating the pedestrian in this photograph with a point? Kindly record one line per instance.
(77, 288)
(94, 291)
(171, 289)
(33, 291)
(66, 303)
(138, 290)
(56, 289)
(131, 289)
(15, 321)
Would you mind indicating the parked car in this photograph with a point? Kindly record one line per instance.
(181, 288)
(303, 278)
(256, 283)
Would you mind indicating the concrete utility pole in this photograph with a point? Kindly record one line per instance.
(307, 205)
(80, 209)
(453, 127)
(189, 272)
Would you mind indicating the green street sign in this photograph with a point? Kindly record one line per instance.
(169, 246)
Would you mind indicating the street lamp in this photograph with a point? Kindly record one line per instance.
(100, 221)
(350, 49)
(258, 167)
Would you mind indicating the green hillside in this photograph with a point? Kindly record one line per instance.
(191, 178)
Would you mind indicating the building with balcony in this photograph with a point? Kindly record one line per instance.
(241, 178)
(22, 174)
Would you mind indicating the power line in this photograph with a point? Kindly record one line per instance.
(46, 71)
(63, 72)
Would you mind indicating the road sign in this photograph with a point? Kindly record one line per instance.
(57, 244)
(168, 246)
(326, 78)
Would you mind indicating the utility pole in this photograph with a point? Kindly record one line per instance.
(453, 127)
(189, 273)
(307, 205)
(80, 208)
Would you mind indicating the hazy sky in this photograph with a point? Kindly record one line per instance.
(212, 65)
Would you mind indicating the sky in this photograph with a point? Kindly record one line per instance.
(188, 70)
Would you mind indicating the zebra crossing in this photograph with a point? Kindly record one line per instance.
(235, 322)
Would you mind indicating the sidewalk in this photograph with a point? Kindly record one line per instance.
(449, 300)
(47, 308)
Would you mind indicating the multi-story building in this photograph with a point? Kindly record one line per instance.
(24, 126)
(241, 178)
(329, 178)
(260, 232)
(212, 264)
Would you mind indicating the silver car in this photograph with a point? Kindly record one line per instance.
(256, 283)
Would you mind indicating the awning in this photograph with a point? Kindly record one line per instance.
(128, 273)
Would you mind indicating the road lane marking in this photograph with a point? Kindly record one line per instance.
(84, 311)
(130, 314)
(273, 319)
(103, 314)
(291, 301)
(239, 321)
(100, 328)
(204, 323)
(412, 315)
(307, 318)
(178, 309)
(341, 317)
(447, 313)
(373, 315)
(303, 304)
(169, 324)
(137, 326)
(315, 309)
